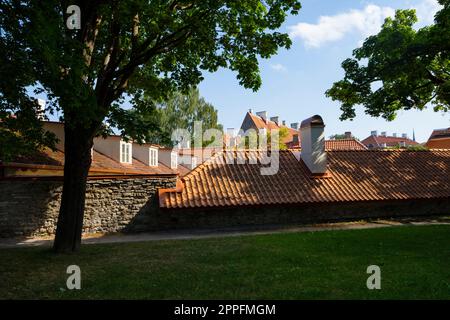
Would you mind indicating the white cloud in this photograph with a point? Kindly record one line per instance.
(363, 22)
(333, 28)
(426, 10)
(278, 67)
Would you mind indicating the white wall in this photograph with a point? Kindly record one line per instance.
(58, 129)
(109, 147)
(142, 153)
(165, 157)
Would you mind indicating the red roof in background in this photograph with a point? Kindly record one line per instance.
(100, 164)
(378, 141)
(440, 133)
(270, 125)
(342, 144)
(354, 176)
(439, 139)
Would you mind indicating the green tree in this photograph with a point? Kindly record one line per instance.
(121, 50)
(283, 133)
(181, 111)
(338, 137)
(342, 136)
(399, 68)
(21, 133)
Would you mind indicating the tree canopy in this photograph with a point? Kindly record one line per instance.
(127, 47)
(400, 68)
(181, 111)
(118, 51)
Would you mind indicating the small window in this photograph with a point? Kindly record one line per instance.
(125, 152)
(173, 160)
(153, 157)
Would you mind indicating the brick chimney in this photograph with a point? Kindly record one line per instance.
(313, 146)
(348, 135)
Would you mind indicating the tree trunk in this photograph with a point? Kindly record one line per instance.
(77, 149)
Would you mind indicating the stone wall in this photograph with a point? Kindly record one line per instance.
(301, 214)
(30, 207)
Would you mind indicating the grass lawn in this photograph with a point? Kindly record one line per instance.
(414, 261)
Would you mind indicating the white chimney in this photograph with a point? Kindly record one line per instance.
(41, 110)
(404, 136)
(394, 135)
(384, 134)
(294, 125)
(262, 114)
(276, 120)
(374, 133)
(313, 145)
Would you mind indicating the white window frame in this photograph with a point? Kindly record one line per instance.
(173, 160)
(126, 152)
(153, 157)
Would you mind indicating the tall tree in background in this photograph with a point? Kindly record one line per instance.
(181, 111)
(399, 68)
(120, 50)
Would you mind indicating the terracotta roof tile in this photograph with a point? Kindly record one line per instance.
(270, 125)
(341, 144)
(100, 163)
(355, 176)
(378, 141)
(439, 139)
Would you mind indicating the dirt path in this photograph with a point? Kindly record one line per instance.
(226, 232)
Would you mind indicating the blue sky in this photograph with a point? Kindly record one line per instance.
(294, 81)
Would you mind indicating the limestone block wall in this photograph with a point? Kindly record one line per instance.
(30, 206)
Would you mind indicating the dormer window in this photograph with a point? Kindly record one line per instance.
(125, 152)
(173, 160)
(153, 157)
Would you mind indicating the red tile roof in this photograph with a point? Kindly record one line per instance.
(270, 125)
(342, 144)
(439, 139)
(378, 141)
(354, 176)
(100, 164)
